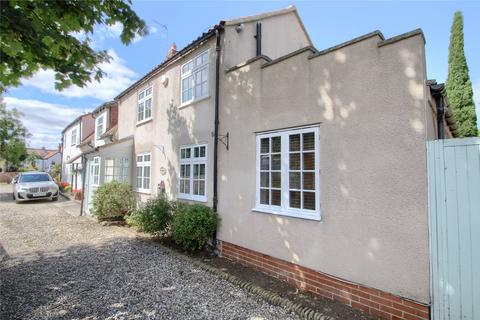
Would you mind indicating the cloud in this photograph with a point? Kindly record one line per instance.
(45, 121)
(118, 77)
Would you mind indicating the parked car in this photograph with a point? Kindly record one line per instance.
(34, 186)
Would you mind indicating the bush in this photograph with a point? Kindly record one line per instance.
(113, 200)
(154, 217)
(193, 225)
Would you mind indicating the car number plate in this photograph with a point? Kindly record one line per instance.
(39, 194)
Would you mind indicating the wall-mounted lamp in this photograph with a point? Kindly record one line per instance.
(239, 27)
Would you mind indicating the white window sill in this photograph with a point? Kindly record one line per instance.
(188, 103)
(184, 196)
(302, 214)
(139, 123)
(143, 191)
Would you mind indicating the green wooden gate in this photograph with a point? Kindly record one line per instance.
(454, 223)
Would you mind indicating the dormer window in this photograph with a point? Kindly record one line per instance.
(195, 78)
(144, 109)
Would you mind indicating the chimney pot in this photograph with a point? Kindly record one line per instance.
(172, 51)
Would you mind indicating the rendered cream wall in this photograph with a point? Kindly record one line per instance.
(172, 126)
(371, 105)
(281, 34)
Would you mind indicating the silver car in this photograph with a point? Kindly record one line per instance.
(34, 185)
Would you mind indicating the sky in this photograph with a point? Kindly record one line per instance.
(47, 111)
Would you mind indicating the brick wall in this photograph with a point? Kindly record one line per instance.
(371, 301)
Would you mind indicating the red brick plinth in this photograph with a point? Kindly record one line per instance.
(371, 301)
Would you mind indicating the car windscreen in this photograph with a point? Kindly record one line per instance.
(34, 178)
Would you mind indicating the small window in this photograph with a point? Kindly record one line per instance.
(100, 126)
(143, 172)
(144, 109)
(288, 173)
(74, 137)
(193, 173)
(116, 169)
(194, 80)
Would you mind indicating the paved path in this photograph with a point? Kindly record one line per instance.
(54, 265)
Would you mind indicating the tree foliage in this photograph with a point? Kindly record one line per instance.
(12, 136)
(458, 86)
(44, 34)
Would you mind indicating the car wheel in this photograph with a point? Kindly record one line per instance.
(13, 196)
(54, 198)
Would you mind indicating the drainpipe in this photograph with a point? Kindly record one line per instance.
(258, 36)
(82, 195)
(217, 121)
(437, 91)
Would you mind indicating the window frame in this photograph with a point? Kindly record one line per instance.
(98, 134)
(192, 73)
(284, 209)
(193, 161)
(96, 162)
(143, 100)
(73, 142)
(142, 165)
(120, 164)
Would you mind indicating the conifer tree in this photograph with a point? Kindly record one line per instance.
(458, 86)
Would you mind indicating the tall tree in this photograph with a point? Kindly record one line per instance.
(459, 87)
(44, 34)
(12, 136)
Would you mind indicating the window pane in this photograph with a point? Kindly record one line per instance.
(295, 142)
(309, 141)
(264, 179)
(276, 197)
(264, 196)
(141, 95)
(276, 161)
(182, 171)
(182, 188)
(276, 180)
(295, 199)
(294, 180)
(182, 153)
(295, 161)
(202, 171)
(204, 89)
(188, 153)
(309, 200)
(202, 151)
(276, 144)
(264, 162)
(148, 91)
(187, 186)
(187, 171)
(309, 181)
(139, 158)
(309, 161)
(265, 145)
(201, 188)
(146, 158)
(196, 152)
(195, 172)
(148, 108)
(195, 187)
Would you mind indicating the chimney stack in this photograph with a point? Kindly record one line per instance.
(172, 51)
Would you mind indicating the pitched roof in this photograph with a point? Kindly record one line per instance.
(42, 153)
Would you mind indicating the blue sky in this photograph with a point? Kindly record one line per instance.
(328, 23)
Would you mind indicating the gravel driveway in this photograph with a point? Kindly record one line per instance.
(58, 266)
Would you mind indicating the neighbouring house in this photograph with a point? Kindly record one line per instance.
(107, 158)
(74, 134)
(44, 159)
(314, 159)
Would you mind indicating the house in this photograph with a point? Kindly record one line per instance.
(106, 157)
(74, 134)
(45, 159)
(314, 159)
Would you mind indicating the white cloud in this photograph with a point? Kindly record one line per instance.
(45, 121)
(153, 30)
(118, 77)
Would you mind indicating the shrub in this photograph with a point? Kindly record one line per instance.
(113, 200)
(193, 225)
(154, 217)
